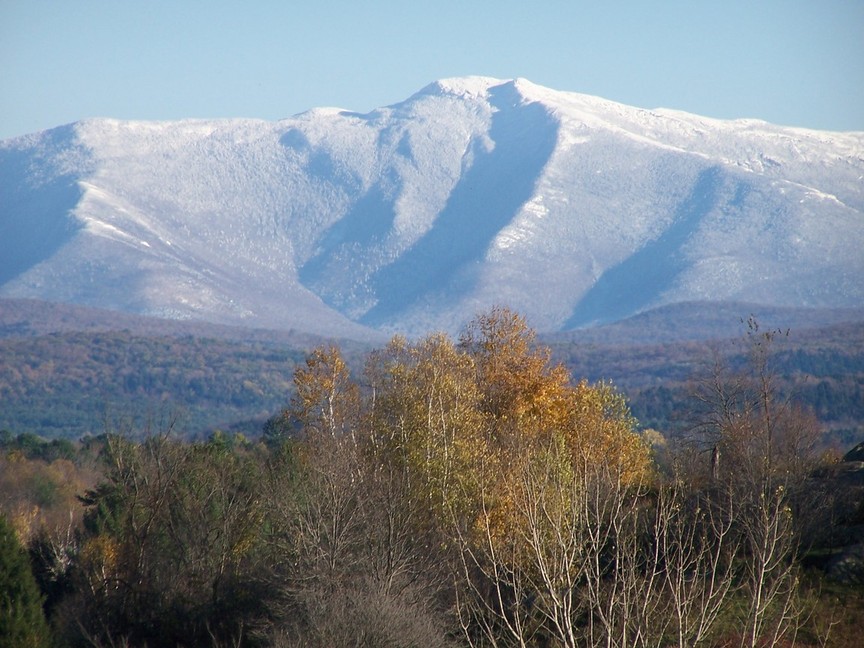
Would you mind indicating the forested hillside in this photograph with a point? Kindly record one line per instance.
(66, 369)
(822, 369)
(65, 385)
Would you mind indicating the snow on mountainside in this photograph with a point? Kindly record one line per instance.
(472, 192)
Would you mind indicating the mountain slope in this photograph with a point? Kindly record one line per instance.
(572, 209)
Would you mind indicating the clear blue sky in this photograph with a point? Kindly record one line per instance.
(792, 62)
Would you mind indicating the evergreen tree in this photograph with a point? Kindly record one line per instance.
(22, 621)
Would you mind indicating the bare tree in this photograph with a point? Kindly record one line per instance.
(358, 561)
(697, 547)
(766, 447)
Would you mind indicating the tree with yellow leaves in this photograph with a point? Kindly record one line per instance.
(425, 416)
(557, 494)
(325, 398)
(511, 458)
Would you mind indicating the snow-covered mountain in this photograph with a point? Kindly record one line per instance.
(472, 192)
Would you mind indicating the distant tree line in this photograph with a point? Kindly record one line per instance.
(64, 385)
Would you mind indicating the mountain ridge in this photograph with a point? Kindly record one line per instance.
(473, 191)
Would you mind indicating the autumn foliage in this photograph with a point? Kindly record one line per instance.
(447, 492)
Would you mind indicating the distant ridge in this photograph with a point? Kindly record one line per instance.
(706, 321)
(26, 318)
(571, 209)
(671, 324)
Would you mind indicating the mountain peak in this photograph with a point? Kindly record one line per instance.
(468, 86)
(479, 87)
